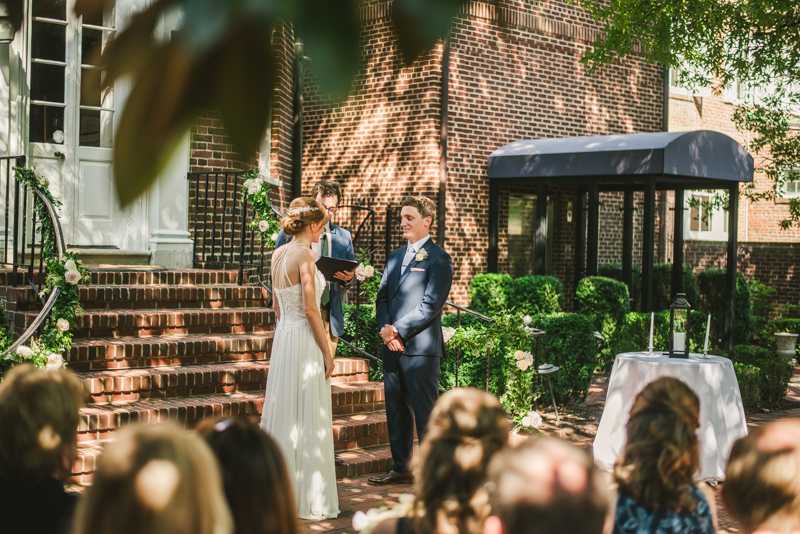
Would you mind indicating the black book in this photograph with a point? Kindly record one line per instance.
(330, 266)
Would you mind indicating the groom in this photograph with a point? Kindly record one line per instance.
(409, 305)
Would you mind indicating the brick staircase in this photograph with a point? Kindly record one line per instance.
(156, 346)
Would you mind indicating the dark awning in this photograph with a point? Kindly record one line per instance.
(693, 160)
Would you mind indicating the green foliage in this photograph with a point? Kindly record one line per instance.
(452, 319)
(614, 270)
(605, 302)
(791, 326)
(368, 339)
(489, 293)
(662, 284)
(367, 278)
(469, 345)
(711, 285)
(749, 379)
(534, 295)
(774, 373)
(634, 333)
(761, 295)
(265, 221)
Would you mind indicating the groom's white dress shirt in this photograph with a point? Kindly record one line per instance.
(411, 251)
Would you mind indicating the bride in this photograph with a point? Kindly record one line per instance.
(297, 404)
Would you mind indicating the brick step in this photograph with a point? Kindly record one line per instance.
(107, 277)
(123, 323)
(139, 297)
(156, 351)
(124, 386)
(360, 431)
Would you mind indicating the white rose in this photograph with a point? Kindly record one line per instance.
(259, 182)
(69, 265)
(24, 351)
(248, 183)
(527, 319)
(535, 419)
(523, 365)
(274, 237)
(263, 226)
(448, 332)
(519, 355)
(62, 324)
(360, 521)
(529, 358)
(369, 270)
(54, 362)
(253, 188)
(72, 277)
(526, 421)
(360, 273)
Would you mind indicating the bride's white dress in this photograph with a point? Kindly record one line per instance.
(297, 405)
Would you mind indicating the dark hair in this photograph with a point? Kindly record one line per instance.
(662, 452)
(38, 417)
(302, 212)
(548, 486)
(467, 426)
(254, 477)
(328, 188)
(425, 206)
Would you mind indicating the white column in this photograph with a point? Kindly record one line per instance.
(170, 243)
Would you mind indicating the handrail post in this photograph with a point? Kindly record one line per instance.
(241, 240)
(458, 351)
(488, 364)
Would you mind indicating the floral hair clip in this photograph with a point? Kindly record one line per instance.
(294, 212)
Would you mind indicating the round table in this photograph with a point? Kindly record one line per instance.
(722, 419)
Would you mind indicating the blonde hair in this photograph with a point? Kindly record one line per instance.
(302, 212)
(662, 452)
(467, 426)
(425, 206)
(39, 418)
(762, 480)
(155, 479)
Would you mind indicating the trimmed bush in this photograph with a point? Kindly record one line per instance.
(570, 344)
(791, 326)
(749, 379)
(614, 270)
(711, 287)
(451, 320)
(662, 284)
(773, 371)
(536, 295)
(605, 302)
(761, 296)
(367, 337)
(489, 293)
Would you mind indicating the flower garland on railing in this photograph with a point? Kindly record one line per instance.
(265, 221)
(368, 282)
(56, 339)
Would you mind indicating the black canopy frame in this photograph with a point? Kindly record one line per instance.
(647, 162)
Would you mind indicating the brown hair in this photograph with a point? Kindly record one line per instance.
(762, 480)
(424, 205)
(662, 452)
(547, 486)
(466, 428)
(39, 418)
(254, 476)
(302, 212)
(328, 188)
(155, 479)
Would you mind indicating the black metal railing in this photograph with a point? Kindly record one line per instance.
(22, 238)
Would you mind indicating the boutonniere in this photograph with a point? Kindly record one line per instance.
(422, 255)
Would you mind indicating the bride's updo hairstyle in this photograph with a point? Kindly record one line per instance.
(302, 212)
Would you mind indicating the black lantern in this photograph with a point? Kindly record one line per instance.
(679, 341)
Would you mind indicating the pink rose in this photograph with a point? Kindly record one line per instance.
(263, 226)
(72, 277)
(369, 270)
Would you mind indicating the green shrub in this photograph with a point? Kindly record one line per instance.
(535, 295)
(570, 344)
(6, 339)
(451, 320)
(489, 293)
(749, 379)
(711, 287)
(614, 270)
(791, 326)
(761, 295)
(773, 371)
(605, 302)
(662, 284)
(367, 337)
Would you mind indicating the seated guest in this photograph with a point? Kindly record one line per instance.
(254, 477)
(467, 427)
(654, 475)
(547, 486)
(39, 426)
(762, 481)
(158, 480)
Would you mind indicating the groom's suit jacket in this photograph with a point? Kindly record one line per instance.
(412, 300)
(341, 246)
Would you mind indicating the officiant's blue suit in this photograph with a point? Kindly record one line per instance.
(342, 248)
(412, 299)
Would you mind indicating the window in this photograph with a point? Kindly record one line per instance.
(704, 223)
(48, 71)
(792, 184)
(678, 85)
(522, 234)
(96, 105)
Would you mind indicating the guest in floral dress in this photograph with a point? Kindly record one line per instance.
(657, 494)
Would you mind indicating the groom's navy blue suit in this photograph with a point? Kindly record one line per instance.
(412, 301)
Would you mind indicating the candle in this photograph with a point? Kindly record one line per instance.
(708, 327)
(679, 342)
(652, 317)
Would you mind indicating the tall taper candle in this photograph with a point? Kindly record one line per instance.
(652, 317)
(708, 327)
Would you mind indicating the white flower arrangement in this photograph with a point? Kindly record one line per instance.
(533, 419)
(363, 523)
(62, 325)
(364, 271)
(25, 352)
(447, 333)
(422, 255)
(54, 362)
(524, 360)
(72, 276)
(69, 265)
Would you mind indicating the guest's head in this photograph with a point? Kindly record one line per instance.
(254, 477)
(304, 218)
(662, 452)
(762, 480)
(467, 427)
(328, 194)
(547, 486)
(39, 421)
(155, 479)
(416, 217)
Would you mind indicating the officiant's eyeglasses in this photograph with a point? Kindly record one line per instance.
(332, 210)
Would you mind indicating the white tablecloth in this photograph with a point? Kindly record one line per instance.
(722, 419)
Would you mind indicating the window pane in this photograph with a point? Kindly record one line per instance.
(705, 220)
(47, 82)
(96, 128)
(105, 18)
(695, 219)
(48, 41)
(91, 43)
(91, 94)
(45, 120)
(51, 9)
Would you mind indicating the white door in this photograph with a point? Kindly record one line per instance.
(71, 132)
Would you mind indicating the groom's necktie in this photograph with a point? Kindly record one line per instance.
(407, 259)
(326, 294)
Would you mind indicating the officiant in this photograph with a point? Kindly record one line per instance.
(335, 242)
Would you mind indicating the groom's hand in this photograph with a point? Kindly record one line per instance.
(388, 333)
(396, 345)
